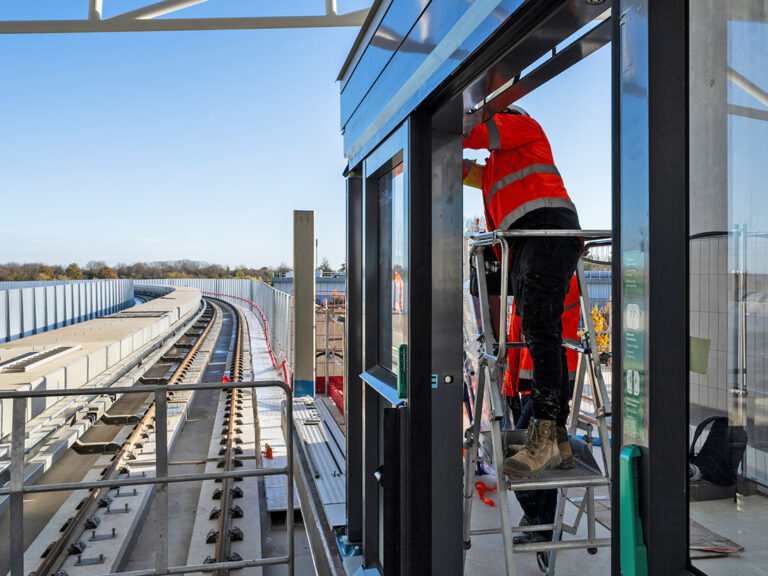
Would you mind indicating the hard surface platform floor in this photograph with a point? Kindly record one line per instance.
(486, 557)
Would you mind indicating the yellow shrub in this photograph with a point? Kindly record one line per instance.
(598, 319)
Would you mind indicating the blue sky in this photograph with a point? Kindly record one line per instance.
(198, 145)
(155, 146)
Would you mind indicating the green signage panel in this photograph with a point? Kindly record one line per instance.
(634, 274)
(634, 375)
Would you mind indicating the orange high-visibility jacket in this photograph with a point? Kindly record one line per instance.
(520, 175)
(519, 362)
(397, 295)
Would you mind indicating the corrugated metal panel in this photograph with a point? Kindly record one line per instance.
(28, 308)
(325, 288)
(599, 285)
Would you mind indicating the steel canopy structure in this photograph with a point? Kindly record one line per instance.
(148, 19)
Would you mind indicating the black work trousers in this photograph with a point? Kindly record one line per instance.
(540, 275)
(541, 505)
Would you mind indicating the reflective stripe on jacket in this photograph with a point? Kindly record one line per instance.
(520, 175)
(519, 361)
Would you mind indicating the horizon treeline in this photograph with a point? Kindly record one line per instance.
(15, 272)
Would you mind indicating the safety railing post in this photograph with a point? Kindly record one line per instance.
(327, 316)
(161, 471)
(501, 357)
(18, 433)
(288, 433)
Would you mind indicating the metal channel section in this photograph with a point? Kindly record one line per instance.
(325, 456)
(320, 483)
(160, 481)
(35, 359)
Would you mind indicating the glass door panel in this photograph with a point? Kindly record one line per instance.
(728, 379)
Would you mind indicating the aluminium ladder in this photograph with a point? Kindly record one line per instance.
(586, 473)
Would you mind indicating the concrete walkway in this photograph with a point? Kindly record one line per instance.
(269, 402)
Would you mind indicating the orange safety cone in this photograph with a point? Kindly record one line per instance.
(268, 452)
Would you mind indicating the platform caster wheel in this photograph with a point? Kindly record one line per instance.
(543, 559)
(592, 551)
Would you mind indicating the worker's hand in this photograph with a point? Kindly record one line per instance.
(473, 174)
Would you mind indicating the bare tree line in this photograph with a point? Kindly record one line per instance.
(13, 272)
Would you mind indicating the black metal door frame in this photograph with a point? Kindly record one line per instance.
(374, 399)
(663, 471)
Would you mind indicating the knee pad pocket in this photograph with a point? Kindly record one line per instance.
(542, 302)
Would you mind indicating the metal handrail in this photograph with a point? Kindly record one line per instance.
(17, 488)
(494, 236)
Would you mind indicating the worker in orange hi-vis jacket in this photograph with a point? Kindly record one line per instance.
(522, 189)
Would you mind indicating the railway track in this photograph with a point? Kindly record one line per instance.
(71, 541)
(80, 545)
(226, 532)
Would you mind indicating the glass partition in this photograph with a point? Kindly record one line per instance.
(728, 379)
(635, 220)
(393, 267)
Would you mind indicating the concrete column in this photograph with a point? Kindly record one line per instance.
(304, 302)
(708, 117)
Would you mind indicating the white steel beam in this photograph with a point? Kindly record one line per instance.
(120, 24)
(330, 7)
(748, 86)
(158, 9)
(94, 10)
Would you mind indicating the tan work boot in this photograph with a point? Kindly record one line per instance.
(565, 449)
(510, 448)
(562, 443)
(539, 453)
(513, 449)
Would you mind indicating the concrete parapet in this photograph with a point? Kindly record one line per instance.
(77, 373)
(97, 345)
(97, 362)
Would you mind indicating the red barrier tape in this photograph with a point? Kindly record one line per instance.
(482, 488)
(284, 365)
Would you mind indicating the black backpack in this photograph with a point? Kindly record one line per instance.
(721, 454)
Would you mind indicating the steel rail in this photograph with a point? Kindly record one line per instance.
(57, 555)
(224, 540)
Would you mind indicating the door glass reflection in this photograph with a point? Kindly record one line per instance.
(393, 268)
(728, 461)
